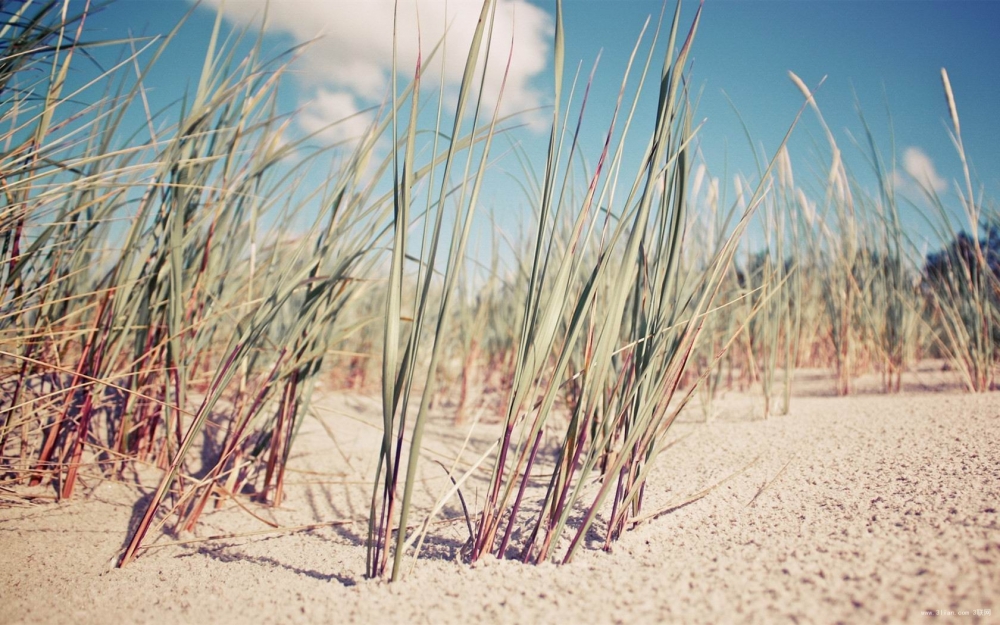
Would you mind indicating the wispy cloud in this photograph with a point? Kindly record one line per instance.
(349, 67)
(919, 174)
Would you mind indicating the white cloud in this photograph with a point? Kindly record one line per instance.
(348, 67)
(921, 175)
(334, 106)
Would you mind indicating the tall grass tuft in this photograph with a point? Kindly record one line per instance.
(141, 303)
(630, 310)
(399, 370)
(963, 284)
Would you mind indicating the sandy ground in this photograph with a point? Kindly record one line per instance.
(859, 510)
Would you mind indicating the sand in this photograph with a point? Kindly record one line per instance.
(860, 510)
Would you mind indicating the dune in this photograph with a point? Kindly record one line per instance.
(860, 509)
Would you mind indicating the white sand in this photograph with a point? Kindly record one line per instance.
(886, 507)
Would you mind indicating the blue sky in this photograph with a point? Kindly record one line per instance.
(877, 51)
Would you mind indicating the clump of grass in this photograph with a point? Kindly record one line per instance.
(963, 283)
(889, 301)
(634, 313)
(840, 254)
(126, 267)
(399, 372)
